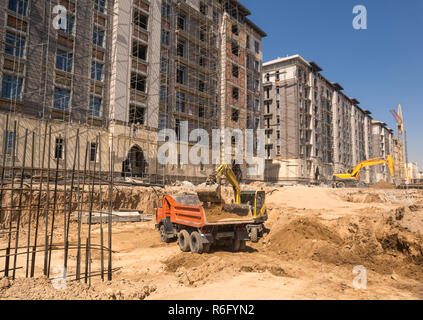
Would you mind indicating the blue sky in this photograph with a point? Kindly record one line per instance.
(381, 66)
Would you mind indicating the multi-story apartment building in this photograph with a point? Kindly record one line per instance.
(343, 149)
(413, 172)
(210, 74)
(128, 69)
(361, 141)
(313, 129)
(384, 143)
(55, 65)
(297, 120)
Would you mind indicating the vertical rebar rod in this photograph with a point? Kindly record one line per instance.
(30, 204)
(109, 227)
(20, 205)
(65, 141)
(70, 201)
(78, 254)
(92, 192)
(6, 268)
(78, 196)
(47, 206)
(53, 216)
(87, 245)
(91, 204)
(3, 165)
(101, 213)
(34, 248)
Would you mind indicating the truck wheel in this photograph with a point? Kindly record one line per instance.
(236, 245)
(206, 247)
(254, 235)
(195, 243)
(183, 240)
(243, 245)
(163, 234)
(340, 185)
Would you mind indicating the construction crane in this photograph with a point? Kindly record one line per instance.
(352, 176)
(255, 198)
(404, 174)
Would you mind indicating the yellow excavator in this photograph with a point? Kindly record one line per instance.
(254, 198)
(352, 177)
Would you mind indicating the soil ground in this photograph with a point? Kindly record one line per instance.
(314, 238)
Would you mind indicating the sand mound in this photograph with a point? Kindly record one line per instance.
(372, 197)
(43, 289)
(382, 184)
(194, 270)
(135, 198)
(301, 237)
(381, 246)
(304, 197)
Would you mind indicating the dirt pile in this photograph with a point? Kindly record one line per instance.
(193, 270)
(135, 198)
(378, 244)
(372, 197)
(44, 289)
(305, 238)
(382, 184)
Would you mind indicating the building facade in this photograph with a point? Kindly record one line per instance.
(313, 129)
(383, 145)
(129, 69)
(210, 74)
(54, 66)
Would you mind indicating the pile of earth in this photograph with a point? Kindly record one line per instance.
(379, 244)
(382, 184)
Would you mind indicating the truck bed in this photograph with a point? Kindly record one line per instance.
(197, 217)
(217, 215)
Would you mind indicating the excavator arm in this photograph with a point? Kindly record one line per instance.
(225, 170)
(355, 173)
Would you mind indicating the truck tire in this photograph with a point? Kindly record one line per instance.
(206, 247)
(163, 234)
(243, 245)
(236, 245)
(254, 235)
(195, 243)
(184, 240)
(340, 185)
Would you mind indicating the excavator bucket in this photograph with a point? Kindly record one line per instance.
(210, 194)
(242, 210)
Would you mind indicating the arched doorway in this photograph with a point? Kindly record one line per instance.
(135, 164)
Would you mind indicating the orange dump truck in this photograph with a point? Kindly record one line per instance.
(197, 226)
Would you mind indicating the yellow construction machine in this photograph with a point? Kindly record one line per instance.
(352, 177)
(254, 198)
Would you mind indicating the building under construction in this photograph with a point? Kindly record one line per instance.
(127, 69)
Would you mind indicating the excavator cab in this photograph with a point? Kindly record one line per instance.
(256, 199)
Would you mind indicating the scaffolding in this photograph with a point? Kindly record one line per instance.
(190, 80)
